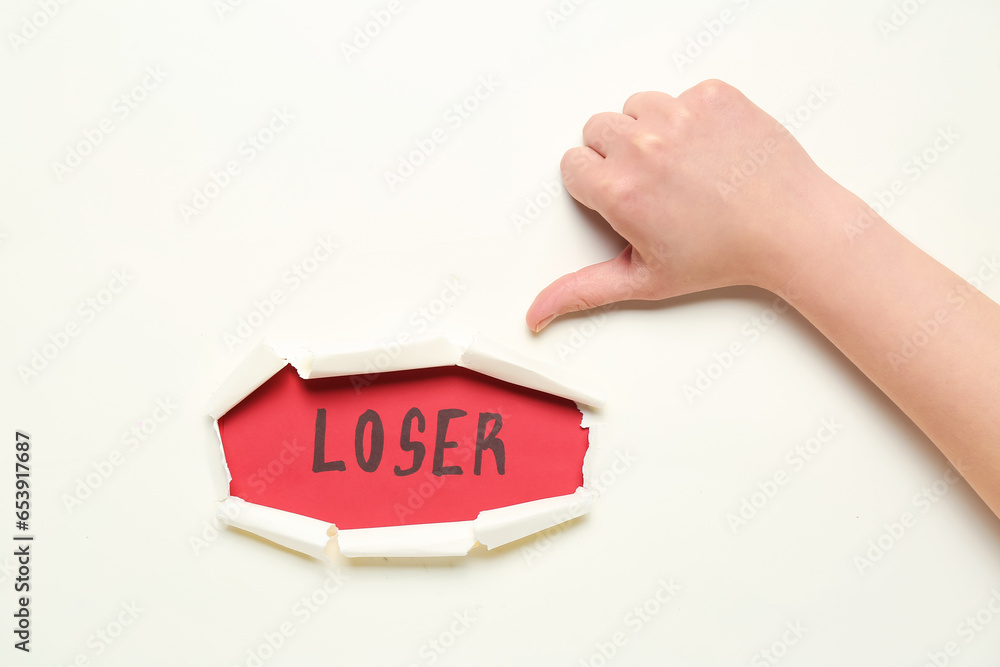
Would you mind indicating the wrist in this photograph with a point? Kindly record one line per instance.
(829, 230)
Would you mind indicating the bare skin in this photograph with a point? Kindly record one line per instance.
(710, 191)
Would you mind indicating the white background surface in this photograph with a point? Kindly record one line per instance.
(546, 600)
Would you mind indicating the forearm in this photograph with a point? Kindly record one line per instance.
(921, 333)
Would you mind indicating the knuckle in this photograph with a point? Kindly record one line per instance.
(648, 143)
(713, 89)
(619, 195)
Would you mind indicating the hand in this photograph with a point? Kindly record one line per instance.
(708, 190)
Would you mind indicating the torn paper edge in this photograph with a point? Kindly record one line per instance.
(476, 353)
(453, 538)
(258, 367)
(504, 525)
(320, 539)
(294, 531)
(492, 528)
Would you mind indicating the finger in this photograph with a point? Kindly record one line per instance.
(604, 130)
(590, 287)
(581, 168)
(646, 103)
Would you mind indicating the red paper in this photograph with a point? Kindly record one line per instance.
(270, 445)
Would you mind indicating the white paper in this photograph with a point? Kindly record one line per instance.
(492, 528)
(490, 358)
(454, 538)
(501, 526)
(476, 353)
(294, 531)
(258, 367)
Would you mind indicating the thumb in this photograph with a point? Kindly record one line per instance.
(590, 287)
